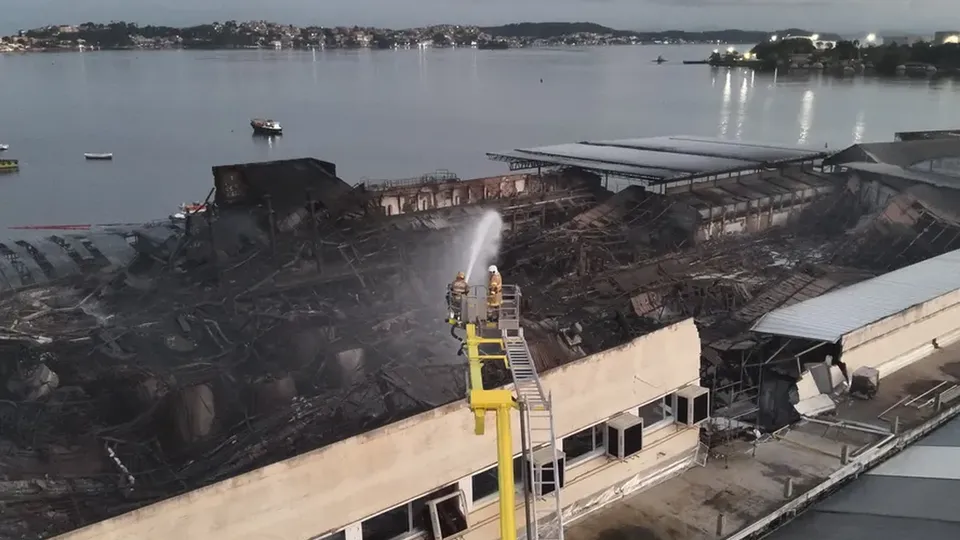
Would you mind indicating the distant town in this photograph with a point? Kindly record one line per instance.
(267, 35)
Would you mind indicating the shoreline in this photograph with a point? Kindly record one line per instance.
(76, 49)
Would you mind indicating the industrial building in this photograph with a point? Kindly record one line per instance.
(280, 368)
(883, 323)
(434, 455)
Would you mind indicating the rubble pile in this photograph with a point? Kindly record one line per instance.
(289, 315)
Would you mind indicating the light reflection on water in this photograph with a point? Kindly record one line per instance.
(170, 116)
(806, 115)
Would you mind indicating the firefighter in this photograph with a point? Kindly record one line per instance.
(494, 292)
(455, 293)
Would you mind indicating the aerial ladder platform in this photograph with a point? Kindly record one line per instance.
(494, 334)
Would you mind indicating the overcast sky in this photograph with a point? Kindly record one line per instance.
(816, 15)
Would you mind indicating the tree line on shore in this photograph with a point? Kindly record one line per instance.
(231, 34)
(884, 59)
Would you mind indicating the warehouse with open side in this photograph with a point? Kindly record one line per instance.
(884, 323)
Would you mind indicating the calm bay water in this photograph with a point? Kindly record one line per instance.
(169, 116)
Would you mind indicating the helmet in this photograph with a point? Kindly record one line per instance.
(492, 269)
(461, 275)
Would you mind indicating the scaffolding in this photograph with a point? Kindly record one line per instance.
(495, 335)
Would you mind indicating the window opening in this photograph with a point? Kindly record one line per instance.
(486, 483)
(657, 413)
(583, 443)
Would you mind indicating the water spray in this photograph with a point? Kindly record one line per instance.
(485, 244)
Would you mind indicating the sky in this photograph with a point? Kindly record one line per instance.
(816, 15)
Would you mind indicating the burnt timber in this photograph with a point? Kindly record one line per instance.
(298, 310)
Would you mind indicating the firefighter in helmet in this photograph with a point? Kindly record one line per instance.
(494, 292)
(455, 293)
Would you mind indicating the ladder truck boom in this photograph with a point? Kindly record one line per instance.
(493, 334)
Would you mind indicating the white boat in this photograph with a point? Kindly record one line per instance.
(100, 156)
(4, 147)
(266, 127)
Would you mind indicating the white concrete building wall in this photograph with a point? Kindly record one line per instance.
(336, 487)
(899, 340)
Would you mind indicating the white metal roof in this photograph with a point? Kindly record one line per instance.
(837, 313)
(658, 158)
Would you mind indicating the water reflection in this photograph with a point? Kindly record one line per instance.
(474, 71)
(270, 141)
(742, 107)
(859, 127)
(806, 116)
(422, 65)
(725, 105)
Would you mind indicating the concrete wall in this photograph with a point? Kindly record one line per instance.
(420, 196)
(753, 220)
(903, 338)
(601, 481)
(757, 215)
(336, 486)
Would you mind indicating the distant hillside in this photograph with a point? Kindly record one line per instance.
(547, 30)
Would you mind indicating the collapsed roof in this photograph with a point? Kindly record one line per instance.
(261, 329)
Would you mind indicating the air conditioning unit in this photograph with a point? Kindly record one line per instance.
(544, 473)
(691, 405)
(624, 435)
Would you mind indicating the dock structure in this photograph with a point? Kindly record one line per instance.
(282, 368)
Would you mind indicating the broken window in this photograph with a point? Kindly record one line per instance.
(445, 516)
(411, 519)
(487, 483)
(658, 413)
(584, 444)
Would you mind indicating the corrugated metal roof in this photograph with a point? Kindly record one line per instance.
(32, 259)
(837, 313)
(926, 177)
(612, 168)
(715, 147)
(902, 153)
(622, 155)
(659, 158)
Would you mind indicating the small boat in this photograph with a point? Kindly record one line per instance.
(9, 165)
(696, 62)
(266, 127)
(4, 147)
(660, 60)
(98, 156)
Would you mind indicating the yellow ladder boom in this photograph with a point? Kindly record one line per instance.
(501, 402)
(498, 327)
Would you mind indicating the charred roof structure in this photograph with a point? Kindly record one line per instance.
(35, 261)
(908, 194)
(294, 311)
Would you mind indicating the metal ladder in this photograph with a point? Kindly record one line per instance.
(536, 420)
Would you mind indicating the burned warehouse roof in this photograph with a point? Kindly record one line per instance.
(265, 327)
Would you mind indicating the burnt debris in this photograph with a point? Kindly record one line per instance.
(292, 312)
